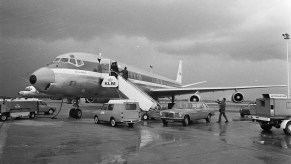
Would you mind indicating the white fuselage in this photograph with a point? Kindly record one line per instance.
(80, 75)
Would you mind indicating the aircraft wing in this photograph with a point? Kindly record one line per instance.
(181, 91)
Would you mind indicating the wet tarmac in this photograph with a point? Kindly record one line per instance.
(67, 140)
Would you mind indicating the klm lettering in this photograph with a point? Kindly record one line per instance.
(110, 83)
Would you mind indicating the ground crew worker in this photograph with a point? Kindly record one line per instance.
(124, 73)
(114, 69)
(222, 111)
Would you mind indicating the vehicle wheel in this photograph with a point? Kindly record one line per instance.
(186, 121)
(165, 122)
(51, 111)
(32, 115)
(208, 119)
(3, 117)
(130, 125)
(287, 129)
(72, 113)
(78, 113)
(266, 127)
(96, 120)
(113, 123)
(145, 117)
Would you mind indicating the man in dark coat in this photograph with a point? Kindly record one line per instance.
(124, 73)
(222, 111)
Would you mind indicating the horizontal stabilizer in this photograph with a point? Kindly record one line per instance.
(188, 85)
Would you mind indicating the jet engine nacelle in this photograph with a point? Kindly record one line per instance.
(96, 100)
(237, 97)
(195, 97)
(89, 100)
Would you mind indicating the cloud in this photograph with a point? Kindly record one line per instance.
(243, 30)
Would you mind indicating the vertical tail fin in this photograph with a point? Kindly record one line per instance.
(179, 74)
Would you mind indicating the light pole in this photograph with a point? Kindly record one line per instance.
(286, 37)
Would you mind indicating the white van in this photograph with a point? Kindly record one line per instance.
(119, 111)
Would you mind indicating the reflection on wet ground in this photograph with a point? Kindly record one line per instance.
(81, 141)
(268, 138)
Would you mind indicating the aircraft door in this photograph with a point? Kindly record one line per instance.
(105, 66)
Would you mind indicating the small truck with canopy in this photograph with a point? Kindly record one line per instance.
(21, 107)
(273, 110)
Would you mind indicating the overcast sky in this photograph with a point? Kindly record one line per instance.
(226, 42)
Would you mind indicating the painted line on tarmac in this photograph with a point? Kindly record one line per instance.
(3, 135)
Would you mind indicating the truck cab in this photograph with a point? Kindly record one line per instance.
(273, 110)
(119, 111)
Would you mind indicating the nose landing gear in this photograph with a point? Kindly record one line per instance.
(76, 112)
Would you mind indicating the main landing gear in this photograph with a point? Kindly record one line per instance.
(76, 112)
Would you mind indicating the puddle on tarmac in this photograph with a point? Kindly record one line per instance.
(268, 138)
(113, 159)
(37, 123)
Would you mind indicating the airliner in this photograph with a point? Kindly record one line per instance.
(80, 75)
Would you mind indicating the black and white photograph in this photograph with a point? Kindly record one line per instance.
(145, 81)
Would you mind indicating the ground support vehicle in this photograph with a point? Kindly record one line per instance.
(246, 110)
(119, 111)
(273, 111)
(185, 112)
(15, 108)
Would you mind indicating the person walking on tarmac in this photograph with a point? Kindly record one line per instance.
(124, 73)
(222, 111)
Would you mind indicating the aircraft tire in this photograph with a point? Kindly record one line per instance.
(78, 113)
(73, 113)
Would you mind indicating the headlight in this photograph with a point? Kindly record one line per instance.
(178, 115)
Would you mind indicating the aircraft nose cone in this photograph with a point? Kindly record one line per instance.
(42, 78)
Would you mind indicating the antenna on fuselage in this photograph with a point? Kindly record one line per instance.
(151, 68)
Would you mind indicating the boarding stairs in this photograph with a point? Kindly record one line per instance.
(133, 92)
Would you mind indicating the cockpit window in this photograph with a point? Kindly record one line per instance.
(80, 62)
(65, 60)
(57, 59)
(73, 61)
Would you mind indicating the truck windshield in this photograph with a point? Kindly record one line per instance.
(130, 106)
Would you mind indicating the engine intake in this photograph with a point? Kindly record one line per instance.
(195, 98)
(237, 97)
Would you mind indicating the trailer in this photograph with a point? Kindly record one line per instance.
(273, 110)
(21, 107)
